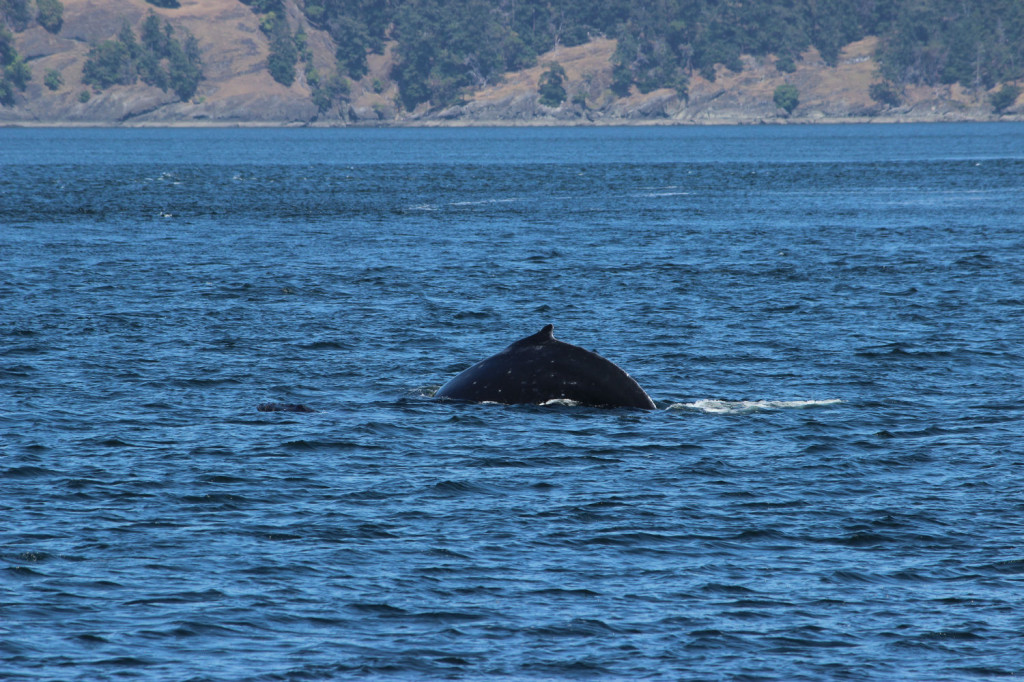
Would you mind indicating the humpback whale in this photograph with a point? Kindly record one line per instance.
(541, 368)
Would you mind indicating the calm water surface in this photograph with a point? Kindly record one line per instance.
(831, 320)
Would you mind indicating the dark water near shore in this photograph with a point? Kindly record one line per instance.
(831, 320)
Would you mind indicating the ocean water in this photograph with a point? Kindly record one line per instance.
(829, 318)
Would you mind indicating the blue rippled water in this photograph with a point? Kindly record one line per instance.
(830, 318)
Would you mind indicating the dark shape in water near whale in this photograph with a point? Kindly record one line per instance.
(541, 368)
(283, 407)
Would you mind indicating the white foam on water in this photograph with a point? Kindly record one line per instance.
(749, 406)
(654, 195)
(484, 202)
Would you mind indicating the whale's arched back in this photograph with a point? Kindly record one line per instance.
(540, 368)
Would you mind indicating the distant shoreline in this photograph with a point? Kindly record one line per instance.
(539, 123)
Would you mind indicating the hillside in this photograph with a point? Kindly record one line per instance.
(237, 88)
(827, 93)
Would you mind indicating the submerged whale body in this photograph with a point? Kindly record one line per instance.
(541, 368)
(283, 407)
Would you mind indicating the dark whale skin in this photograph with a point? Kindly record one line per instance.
(541, 368)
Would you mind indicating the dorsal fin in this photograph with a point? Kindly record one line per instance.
(545, 334)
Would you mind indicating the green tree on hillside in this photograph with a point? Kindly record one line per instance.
(330, 91)
(50, 14)
(283, 55)
(53, 80)
(109, 63)
(552, 92)
(16, 12)
(1004, 98)
(885, 93)
(15, 78)
(284, 50)
(365, 20)
(354, 43)
(476, 49)
(787, 97)
(975, 44)
(160, 59)
(154, 35)
(265, 6)
(14, 74)
(184, 67)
